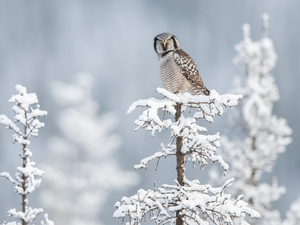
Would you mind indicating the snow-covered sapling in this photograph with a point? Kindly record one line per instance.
(261, 135)
(185, 202)
(27, 112)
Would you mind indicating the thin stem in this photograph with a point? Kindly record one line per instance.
(23, 176)
(180, 161)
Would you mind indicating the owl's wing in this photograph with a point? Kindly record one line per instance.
(189, 70)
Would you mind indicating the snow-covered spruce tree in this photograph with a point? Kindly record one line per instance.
(27, 112)
(261, 135)
(185, 202)
(84, 171)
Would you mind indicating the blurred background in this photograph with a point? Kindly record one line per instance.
(48, 41)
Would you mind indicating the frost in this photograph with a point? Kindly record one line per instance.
(201, 147)
(27, 176)
(261, 136)
(47, 221)
(188, 201)
(27, 216)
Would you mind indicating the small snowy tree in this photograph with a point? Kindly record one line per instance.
(84, 172)
(262, 136)
(185, 202)
(27, 112)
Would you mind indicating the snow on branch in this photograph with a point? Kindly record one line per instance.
(27, 216)
(190, 200)
(47, 221)
(186, 202)
(196, 147)
(207, 107)
(261, 136)
(26, 112)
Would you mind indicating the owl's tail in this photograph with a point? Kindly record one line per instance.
(198, 90)
(205, 91)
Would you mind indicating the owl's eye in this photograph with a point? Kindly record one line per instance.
(168, 40)
(160, 41)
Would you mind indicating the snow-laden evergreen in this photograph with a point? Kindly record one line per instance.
(84, 171)
(261, 136)
(185, 202)
(28, 177)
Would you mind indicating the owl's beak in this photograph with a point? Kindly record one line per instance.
(165, 43)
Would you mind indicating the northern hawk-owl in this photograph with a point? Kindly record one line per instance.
(178, 70)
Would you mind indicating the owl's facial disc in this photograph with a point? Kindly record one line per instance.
(165, 42)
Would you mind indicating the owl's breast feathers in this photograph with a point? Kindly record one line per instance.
(171, 75)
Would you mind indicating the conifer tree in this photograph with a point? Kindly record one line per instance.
(28, 177)
(186, 201)
(260, 136)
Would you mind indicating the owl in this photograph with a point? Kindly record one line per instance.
(178, 70)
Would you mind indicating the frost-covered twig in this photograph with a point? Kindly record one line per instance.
(207, 107)
(196, 146)
(261, 135)
(187, 202)
(190, 199)
(26, 176)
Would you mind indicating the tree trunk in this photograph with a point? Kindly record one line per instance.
(180, 161)
(24, 200)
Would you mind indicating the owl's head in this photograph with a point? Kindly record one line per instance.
(165, 42)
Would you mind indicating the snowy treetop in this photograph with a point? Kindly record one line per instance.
(192, 202)
(207, 107)
(196, 146)
(261, 135)
(27, 176)
(256, 58)
(24, 114)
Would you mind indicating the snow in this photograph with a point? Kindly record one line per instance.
(26, 176)
(11, 223)
(25, 100)
(192, 200)
(8, 176)
(27, 216)
(9, 124)
(29, 172)
(261, 136)
(47, 221)
(22, 90)
(25, 114)
(201, 147)
(21, 140)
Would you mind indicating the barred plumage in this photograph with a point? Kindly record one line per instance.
(177, 69)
